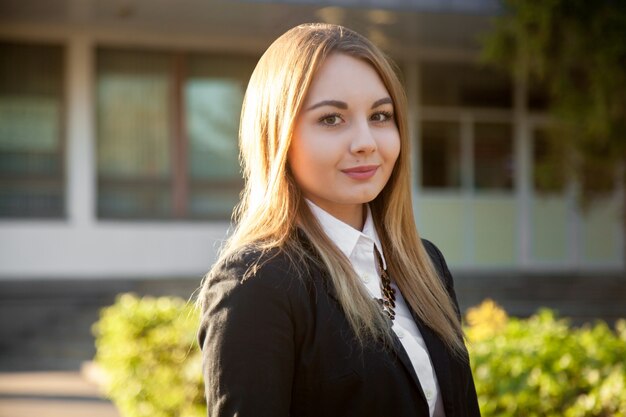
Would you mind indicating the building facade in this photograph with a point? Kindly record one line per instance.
(118, 138)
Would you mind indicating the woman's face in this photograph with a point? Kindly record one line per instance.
(345, 141)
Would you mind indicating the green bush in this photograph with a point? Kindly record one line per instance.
(543, 367)
(523, 368)
(151, 361)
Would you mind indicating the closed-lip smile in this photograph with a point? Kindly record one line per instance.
(362, 172)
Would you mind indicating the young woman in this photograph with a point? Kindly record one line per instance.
(324, 300)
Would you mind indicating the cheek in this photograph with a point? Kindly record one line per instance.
(299, 156)
(392, 150)
(305, 162)
(310, 152)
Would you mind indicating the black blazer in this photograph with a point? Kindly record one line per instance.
(278, 344)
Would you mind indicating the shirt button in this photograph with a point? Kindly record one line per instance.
(429, 394)
(365, 278)
(400, 333)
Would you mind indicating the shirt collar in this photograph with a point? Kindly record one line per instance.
(345, 236)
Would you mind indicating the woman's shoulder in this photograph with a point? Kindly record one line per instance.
(438, 261)
(432, 250)
(251, 261)
(251, 268)
(250, 289)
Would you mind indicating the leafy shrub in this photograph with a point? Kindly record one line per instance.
(542, 367)
(147, 349)
(524, 368)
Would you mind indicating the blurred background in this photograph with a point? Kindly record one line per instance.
(119, 169)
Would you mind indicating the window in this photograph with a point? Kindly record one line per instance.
(465, 141)
(464, 85)
(441, 151)
(548, 163)
(538, 96)
(213, 98)
(167, 133)
(134, 128)
(549, 206)
(598, 177)
(493, 156)
(31, 131)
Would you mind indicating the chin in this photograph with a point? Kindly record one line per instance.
(366, 197)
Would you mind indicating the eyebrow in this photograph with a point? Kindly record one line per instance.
(334, 103)
(343, 105)
(386, 100)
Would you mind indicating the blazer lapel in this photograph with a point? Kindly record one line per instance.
(434, 345)
(440, 359)
(406, 362)
(398, 349)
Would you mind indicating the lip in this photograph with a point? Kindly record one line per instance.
(362, 172)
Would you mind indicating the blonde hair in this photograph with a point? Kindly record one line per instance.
(272, 207)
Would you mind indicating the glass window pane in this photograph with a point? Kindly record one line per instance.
(538, 96)
(464, 85)
(30, 199)
(135, 200)
(214, 202)
(441, 155)
(548, 163)
(598, 177)
(214, 93)
(550, 207)
(493, 156)
(31, 146)
(134, 129)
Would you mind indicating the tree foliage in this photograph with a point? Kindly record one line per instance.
(542, 367)
(576, 50)
(533, 367)
(147, 349)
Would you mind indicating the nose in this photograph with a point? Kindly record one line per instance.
(363, 140)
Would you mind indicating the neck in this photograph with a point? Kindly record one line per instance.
(356, 218)
(351, 214)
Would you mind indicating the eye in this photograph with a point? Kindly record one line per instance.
(381, 116)
(330, 119)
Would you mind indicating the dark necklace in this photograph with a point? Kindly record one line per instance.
(388, 302)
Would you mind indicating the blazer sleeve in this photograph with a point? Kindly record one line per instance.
(442, 268)
(247, 340)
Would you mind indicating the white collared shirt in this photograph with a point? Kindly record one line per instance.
(358, 247)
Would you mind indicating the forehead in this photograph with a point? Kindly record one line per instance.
(344, 77)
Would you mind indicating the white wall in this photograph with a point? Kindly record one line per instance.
(107, 250)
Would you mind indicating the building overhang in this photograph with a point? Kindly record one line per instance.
(396, 25)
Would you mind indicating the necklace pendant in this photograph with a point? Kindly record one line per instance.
(388, 302)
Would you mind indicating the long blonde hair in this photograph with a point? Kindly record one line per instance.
(272, 207)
